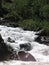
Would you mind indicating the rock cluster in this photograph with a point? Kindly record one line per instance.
(43, 37)
(6, 54)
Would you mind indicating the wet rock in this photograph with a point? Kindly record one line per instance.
(26, 56)
(22, 56)
(43, 39)
(10, 40)
(26, 47)
(43, 33)
(38, 39)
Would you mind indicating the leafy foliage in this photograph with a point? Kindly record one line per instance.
(24, 9)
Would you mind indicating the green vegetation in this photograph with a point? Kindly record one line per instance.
(28, 14)
(25, 9)
(30, 24)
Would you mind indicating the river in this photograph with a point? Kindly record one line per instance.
(19, 36)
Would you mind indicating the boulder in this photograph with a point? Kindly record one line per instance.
(26, 56)
(43, 39)
(26, 47)
(22, 56)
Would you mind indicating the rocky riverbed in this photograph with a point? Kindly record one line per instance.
(21, 45)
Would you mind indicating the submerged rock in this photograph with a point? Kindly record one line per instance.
(10, 40)
(26, 47)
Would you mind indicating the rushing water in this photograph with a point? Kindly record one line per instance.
(39, 51)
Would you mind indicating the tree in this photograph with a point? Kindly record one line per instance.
(3, 10)
(0, 7)
(45, 11)
(24, 9)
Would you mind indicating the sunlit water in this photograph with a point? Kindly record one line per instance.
(39, 51)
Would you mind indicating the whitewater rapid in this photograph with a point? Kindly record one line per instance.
(39, 51)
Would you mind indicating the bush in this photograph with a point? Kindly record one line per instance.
(30, 24)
